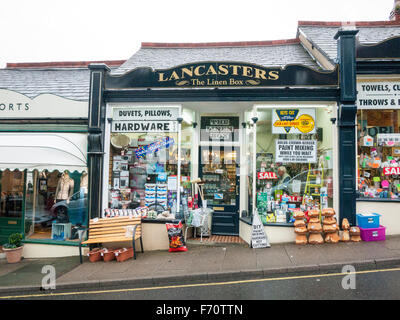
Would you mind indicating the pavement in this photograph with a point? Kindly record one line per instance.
(201, 263)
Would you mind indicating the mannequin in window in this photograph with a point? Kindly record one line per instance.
(84, 184)
(65, 188)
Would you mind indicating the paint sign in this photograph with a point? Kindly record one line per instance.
(267, 176)
(296, 151)
(258, 236)
(389, 171)
(378, 95)
(293, 121)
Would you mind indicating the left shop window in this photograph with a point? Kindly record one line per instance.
(12, 190)
(55, 204)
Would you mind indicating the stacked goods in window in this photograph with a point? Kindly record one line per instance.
(314, 228)
(345, 234)
(331, 227)
(300, 227)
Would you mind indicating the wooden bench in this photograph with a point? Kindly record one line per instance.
(115, 229)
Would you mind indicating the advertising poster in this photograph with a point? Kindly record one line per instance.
(296, 151)
(293, 121)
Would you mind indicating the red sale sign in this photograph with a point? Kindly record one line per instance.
(391, 171)
(267, 176)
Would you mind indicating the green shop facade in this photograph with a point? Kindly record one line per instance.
(234, 125)
(262, 139)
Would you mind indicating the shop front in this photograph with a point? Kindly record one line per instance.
(261, 140)
(43, 172)
(378, 134)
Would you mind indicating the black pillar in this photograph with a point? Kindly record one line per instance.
(347, 125)
(96, 118)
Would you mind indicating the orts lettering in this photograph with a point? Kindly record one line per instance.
(14, 106)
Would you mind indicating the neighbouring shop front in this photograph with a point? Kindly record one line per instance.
(43, 172)
(378, 158)
(257, 145)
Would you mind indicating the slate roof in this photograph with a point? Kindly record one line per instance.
(322, 36)
(264, 53)
(69, 80)
(68, 83)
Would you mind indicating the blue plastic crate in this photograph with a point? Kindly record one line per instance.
(368, 220)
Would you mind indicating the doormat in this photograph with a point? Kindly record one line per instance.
(220, 239)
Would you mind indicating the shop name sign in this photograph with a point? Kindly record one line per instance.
(378, 95)
(222, 74)
(16, 105)
(296, 151)
(216, 74)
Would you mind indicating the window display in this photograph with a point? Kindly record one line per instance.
(378, 133)
(55, 205)
(143, 174)
(293, 162)
(12, 189)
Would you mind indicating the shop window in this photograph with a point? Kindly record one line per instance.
(143, 173)
(293, 162)
(12, 191)
(378, 134)
(56, 205)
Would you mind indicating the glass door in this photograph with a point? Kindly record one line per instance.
(219, 169)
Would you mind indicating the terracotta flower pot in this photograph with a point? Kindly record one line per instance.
(13, 255)
(124, 254)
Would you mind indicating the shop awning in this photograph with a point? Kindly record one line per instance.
(40, 151)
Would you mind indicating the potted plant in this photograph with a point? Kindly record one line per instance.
(13, 249)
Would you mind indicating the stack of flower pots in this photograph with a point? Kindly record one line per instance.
(300, 227)
(330, 228)
(355, 234)
(345, 234)
(314, 228)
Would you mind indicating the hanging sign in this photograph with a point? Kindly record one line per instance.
(389, 139)
(293, 121)
(378, 95)
(258, 236)
(296, 151)
(219, 128)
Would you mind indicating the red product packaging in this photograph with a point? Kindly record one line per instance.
(176, 239)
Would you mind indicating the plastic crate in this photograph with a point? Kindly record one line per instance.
(373, 234)
(61, 231)
(368, 220)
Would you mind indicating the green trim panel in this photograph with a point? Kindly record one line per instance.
(43, 128)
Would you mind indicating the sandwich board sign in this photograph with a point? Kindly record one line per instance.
(259, 238)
